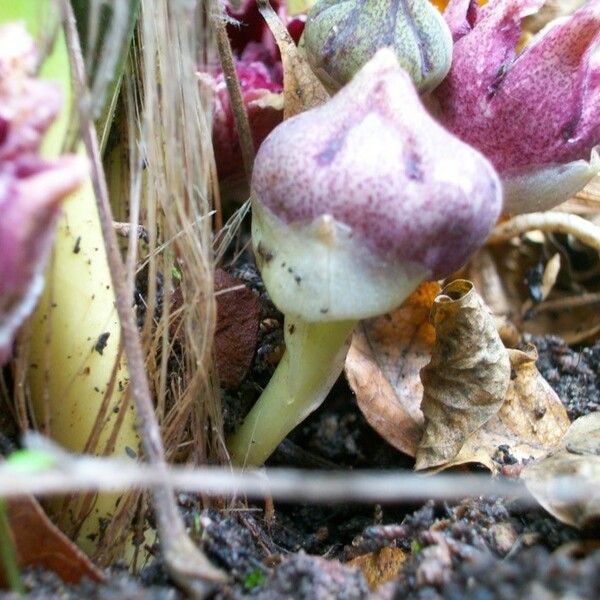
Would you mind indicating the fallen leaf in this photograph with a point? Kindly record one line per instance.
(466, 381)
(301, 88)
(383, 369)
(236, 333)
(383, 365)
(39, 543)
(531, 421)
(578, 457)
(381, 566)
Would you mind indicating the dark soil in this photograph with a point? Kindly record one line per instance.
(573, 373)
(482, 548)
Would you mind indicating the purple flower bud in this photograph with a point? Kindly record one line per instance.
(535, 115)
(361, 198)
(31, 188)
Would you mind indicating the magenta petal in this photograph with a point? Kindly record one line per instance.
(263, 99)
(461, 16)
(259, 69)
(540, 108)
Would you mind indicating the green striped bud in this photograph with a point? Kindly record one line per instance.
(342, 35)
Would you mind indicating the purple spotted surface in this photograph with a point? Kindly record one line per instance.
(540, 107)
(374, 160)
(31, 187)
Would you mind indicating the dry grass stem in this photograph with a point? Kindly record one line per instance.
(175, 135)
(73, 473)
(234, 90)
(187, 565)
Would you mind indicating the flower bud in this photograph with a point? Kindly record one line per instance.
(358, 200)
(340, 36)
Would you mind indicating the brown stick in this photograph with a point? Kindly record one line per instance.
(186, 563)
(234, 90)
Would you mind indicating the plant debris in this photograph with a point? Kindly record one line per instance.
(578, 455)
(39, 543)
(383, 366)
(465, 383)
(236, 333)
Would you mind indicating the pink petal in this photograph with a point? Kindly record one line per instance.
(31, 188)
(539, 108)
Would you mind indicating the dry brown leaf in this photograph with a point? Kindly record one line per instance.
(466, 381)
(39, 543)
(381, 566)
(578, 456)
(383, 365)
(236, 332)
(531, 421)
(301, 88)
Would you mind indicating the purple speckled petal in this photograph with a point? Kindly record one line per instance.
(539, 108)
(373, 159)
(31, 188)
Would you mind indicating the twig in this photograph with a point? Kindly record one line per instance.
(556, 222)
(78, 473)
(234, 90)
(568, 303)
(186, 563)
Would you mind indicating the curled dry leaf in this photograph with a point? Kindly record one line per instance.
(236, 333)
(577, 457)
(39, 543)
(531, 421)
(552, 9)
(383, 365)
(301, 88)
(381, 566)
(466, 381)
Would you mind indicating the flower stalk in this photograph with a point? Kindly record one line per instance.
(313, 360)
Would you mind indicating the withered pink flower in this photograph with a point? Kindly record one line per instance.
(536, 115)
(31, 188)
(258, 66)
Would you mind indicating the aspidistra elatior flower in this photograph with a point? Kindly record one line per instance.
(534, 114)
(31, 187)
(260, 73)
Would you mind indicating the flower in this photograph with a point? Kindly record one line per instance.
(31, 188)
(536, 115)
(259, 69)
